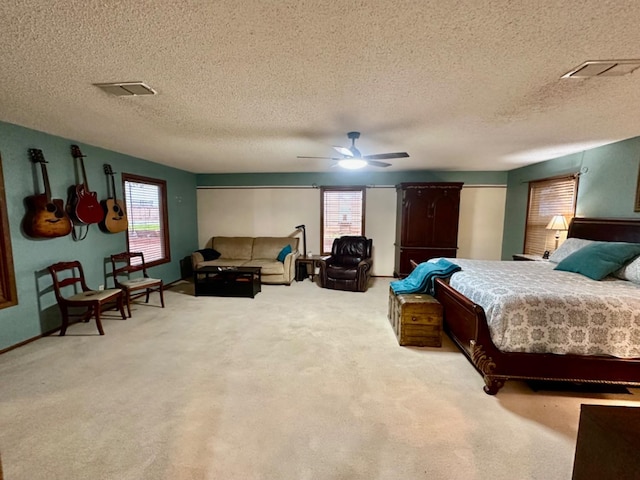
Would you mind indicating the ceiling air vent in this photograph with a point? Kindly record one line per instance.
(126, 89)
(603, 68)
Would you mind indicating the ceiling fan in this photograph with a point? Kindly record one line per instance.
(353, 159)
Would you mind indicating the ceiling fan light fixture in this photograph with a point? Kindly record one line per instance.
(352, 159)
(352, 163)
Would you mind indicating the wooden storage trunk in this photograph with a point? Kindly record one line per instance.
(416, 319)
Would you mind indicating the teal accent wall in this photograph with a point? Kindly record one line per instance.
(347, 177)
(607, 187)
(37, 310)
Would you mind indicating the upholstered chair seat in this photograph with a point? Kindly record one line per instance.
(341, 272)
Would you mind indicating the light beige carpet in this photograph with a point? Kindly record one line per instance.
(298, 383)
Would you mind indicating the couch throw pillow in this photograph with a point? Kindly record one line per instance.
(284, 252)
(209, 254)
(598, 260)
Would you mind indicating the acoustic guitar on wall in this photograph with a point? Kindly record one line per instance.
(83, 203)
(115, 216)
(45, 216)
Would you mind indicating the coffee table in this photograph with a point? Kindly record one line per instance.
(227, 281)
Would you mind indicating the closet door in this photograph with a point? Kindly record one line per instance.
(417, 229)
(443, 213)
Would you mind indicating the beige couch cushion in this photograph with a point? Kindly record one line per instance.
(238, 248)
(222, 262)
(269, 247)
(267, 267)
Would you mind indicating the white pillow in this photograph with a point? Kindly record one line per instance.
(631, 271)
(569, 246)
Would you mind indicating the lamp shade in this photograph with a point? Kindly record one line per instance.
(558, 222)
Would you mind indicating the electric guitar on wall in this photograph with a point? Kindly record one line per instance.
(115, 217)
(45, 216)
(83, 203)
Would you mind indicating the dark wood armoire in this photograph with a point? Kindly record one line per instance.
(426, 223)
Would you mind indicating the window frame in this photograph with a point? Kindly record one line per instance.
(575, 177)
(352, 188)
(8, 291)
(163, 213)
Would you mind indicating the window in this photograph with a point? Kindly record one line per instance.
(148, 231)
(341, 213)
(548, 197)
(8, 295)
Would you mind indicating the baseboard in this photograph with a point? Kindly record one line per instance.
(29, 340)
(52, 331)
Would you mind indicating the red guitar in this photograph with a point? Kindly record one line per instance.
(45, 216)
(83, 203)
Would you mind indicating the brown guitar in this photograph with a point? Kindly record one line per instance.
(45, 216)
(115, 217)
(83, 203)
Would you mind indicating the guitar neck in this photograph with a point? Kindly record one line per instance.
(113, 187)
(109, 172)
(76, 153)
(84, 174)
(45, 180)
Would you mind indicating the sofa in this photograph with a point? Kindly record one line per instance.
(251, 252)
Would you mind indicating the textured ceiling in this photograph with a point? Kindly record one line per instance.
(247, 85)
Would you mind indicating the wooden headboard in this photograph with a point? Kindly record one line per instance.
(606, 229)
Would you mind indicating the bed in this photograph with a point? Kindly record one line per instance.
(465, 321)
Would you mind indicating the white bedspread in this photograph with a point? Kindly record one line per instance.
(532, 308)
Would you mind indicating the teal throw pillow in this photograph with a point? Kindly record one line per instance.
(283, 253)
(598, 260)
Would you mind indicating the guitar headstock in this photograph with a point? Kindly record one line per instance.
(75, 152)
(36, 155)
(107, 169)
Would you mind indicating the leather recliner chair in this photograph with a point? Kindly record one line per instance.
(349, 266)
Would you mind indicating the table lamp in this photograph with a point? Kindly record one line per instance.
(559, 224)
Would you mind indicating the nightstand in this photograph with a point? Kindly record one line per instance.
(525, 257)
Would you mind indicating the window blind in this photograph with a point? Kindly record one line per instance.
(548, 197)
(342, 213)
(144, 216)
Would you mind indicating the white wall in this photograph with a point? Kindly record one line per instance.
(255, 212)
(482, 212)
(276, 211)
(380, 224)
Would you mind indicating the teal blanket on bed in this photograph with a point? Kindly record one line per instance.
(423, 277)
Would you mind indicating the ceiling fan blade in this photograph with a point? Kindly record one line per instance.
(323, 158)
(343, 151)
(374, 163)
(386, 156)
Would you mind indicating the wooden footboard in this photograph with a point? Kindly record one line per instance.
(465, 322)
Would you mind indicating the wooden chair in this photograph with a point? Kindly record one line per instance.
(131, 283)
(70, 274)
